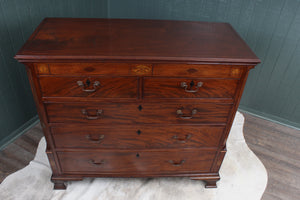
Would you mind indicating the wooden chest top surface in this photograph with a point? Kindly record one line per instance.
(124, 39)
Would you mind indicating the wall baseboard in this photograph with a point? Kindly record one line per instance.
(18, 132)
(270, 117)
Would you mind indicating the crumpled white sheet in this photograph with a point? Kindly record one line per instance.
(243, 176)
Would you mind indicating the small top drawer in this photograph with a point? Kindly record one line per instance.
(155, 87)
(198, 70)
(89, 87)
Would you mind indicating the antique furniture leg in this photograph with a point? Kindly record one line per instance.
(59, 184)
(211, 183)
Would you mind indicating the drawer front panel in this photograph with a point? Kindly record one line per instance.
(89, 87)
(136, 136)
(204, 71)
(189, 88)
(143, 161)
(110, 69)
(135, 113)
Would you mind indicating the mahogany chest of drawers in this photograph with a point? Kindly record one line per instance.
(136, 98)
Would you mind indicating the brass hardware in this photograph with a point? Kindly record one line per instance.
(88, 116)
(192, 84)
(93, 162)
(85, 85)
(141, 69)
(192, 70)
(182, 116)
(43, 69)
(182, 140)
(177, 164)
(97, 140)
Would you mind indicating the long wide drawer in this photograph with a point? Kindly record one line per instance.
(136, 136)
(143, 161)
(138, 113)
(89, 87)
(189, 88)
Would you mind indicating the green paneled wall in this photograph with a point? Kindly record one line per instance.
(18, 19)
(270, 27)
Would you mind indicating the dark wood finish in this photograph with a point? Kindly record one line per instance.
(211, 183)
(133, 113)
(130, 74)
(219, 160)
(131, 39)
(133, 69)
(107, 88)
(136, 136)
(277, 146)
(32, 76)
(108, 69)
(203, 70)
(171, 88)
(136, 161)
(59, 185)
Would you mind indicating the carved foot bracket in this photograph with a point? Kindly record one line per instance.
(59, 185)
(211, 183)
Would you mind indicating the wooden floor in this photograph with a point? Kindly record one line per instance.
(277, 146)
(19, 153)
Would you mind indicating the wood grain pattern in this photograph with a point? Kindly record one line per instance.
(130, 161)
(32, 76)
(112, 69)
(203, 70)
(136, 136)
(275, 146)
(130, 113)
(118, 39)
(20, 152)
(88, 95)
(171, 88)
(107, 88)
(278, 148)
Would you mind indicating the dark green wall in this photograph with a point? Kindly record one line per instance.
(270, 27)
(18, 19)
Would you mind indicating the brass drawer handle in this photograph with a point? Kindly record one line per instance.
(182, 116)
(182, 140)
(184, 85)
(96, 163)
(177, 164)
(95, 140)
(85, 85)
(88, 116)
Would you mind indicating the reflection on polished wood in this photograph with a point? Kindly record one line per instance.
(277, 147)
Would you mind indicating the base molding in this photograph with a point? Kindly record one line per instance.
(209, 178)
(210, 181)
(59, 185)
